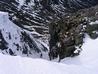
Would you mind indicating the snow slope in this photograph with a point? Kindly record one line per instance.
(86, 63)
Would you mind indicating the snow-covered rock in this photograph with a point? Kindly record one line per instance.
(17, 41)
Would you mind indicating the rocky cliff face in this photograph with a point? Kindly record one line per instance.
(67, 34)
(31, 19)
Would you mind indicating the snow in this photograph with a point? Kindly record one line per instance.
(93, 23)
(21, 2)
(86, 63)
(12, 34)
(7, 27)
(88, 57)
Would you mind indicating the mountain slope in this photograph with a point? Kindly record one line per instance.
(85, 63)
(18, 41)
(32, 18)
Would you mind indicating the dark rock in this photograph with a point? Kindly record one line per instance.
(11, 52)
(3, 43)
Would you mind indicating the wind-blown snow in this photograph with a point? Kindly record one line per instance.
(86, 63)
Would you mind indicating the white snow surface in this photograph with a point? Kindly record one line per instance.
(93, 23)
(86, 63)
